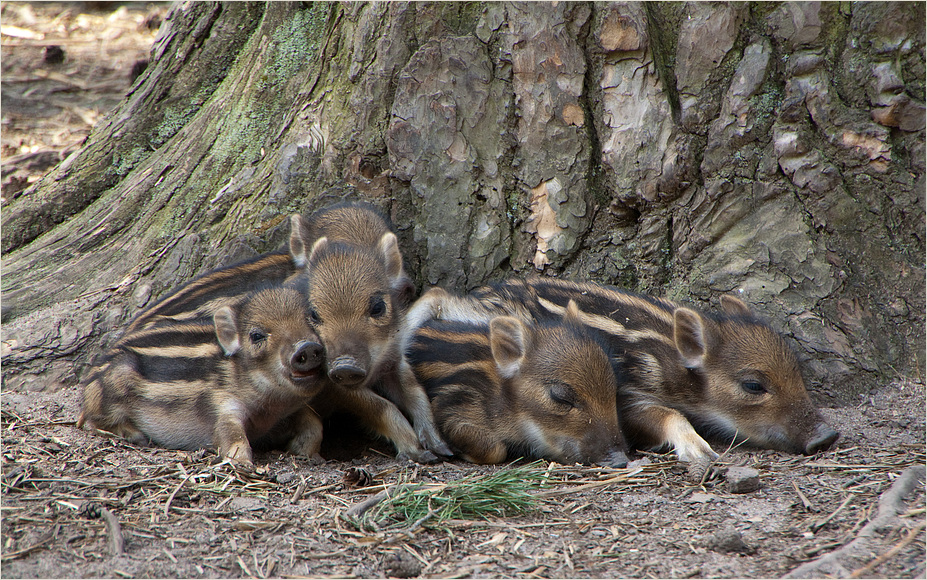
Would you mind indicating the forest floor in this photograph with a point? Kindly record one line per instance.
(78, 504)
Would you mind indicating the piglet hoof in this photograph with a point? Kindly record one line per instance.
(616, 459)
(316, 459)
(437, 446)
(418, 456)
(700, 469)
(239, 454)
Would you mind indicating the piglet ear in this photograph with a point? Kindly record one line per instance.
(392, 258)
(317, 248)
(507, 340)
(227, 330)
(572, 314)
(734, 306)
(689, 335)
(299, 240)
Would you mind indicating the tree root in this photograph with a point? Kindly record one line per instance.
(839, 563)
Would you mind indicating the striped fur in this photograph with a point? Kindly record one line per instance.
(247, 375)
(202, 297)
(684, 374)
(503, 388)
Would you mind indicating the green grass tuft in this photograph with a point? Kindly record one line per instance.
(505, 493)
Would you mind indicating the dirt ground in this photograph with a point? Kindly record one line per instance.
(64, 66)
(181, 514)
(78, 504)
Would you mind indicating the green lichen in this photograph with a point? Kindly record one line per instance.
(296, 43)
(835, 25)
(173, 121)
(461, 17)
(765, 104)
(124, 163)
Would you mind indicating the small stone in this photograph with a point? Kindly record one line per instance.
(246, 504)
(742, 479)
(285, 477)
(729, 540)
(403, 565)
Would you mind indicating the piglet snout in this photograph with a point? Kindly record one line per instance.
(307, 358)
(346, 371)
(821, 440)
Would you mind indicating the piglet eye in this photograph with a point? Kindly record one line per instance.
(257, 337)
(563, 395)
(753, 387)
(377, 307)
(314, 317)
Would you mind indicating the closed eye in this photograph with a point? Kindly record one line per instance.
(562, 394)
(753, 387)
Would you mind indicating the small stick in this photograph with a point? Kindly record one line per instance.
(299, 490)
(245, 567)
(821, 523)
(593, 485)
(359, 509)
(409, 532)
(804, 500)
(865, 570)
(19, 553)
(167, 506)
(114, 531)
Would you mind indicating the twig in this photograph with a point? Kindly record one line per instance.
(409, 531)
(804, 500)
(167, 506)
(865, 570)
(359, 509)
(25, 551)
(245, 567)
(593, 485)
(113, 531)
(299, 490)
(823, 522)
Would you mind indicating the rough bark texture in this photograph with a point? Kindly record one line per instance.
(683, 149)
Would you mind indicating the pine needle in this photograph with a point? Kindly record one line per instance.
(504, 493)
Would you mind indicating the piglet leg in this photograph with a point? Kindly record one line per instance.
(308, 438)
(230, 436)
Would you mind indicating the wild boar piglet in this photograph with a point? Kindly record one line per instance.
(247, 375)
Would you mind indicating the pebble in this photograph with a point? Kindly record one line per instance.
(729, 540)
(402, 565)
(246, 504)
(742, 479)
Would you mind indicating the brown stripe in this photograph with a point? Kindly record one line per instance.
(609, 326)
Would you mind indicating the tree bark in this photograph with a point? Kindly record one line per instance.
(684, 149)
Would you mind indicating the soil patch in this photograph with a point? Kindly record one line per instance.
(77, 504)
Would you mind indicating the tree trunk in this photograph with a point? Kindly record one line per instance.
(683, 149)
